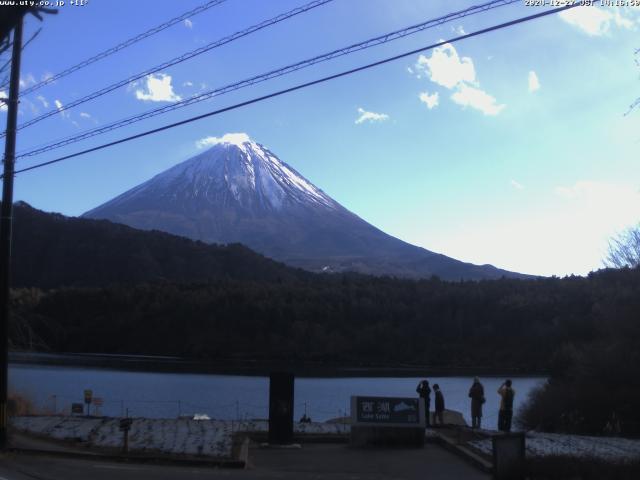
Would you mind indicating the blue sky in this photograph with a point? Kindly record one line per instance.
(511, 148)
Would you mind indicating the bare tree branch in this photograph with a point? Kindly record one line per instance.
(624, 249)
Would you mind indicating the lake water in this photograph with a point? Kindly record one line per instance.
(167, 395)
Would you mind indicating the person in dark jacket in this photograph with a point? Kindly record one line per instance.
(425, 393)
(476, 393)
(506, 406)
(439, 404)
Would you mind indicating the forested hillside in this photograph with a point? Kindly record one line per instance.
(503, 324)
(52, 250)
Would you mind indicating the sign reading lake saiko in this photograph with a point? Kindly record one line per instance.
(387, 410)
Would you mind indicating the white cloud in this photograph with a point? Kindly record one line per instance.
(370, 116)
(27, 81)
(591, 20)
(3, 105)
(89, 117)
(431, 101)
(60, 107)
(410, 70)
(473, 97)
(446, 68)
(158, 89)
(188, 23)
(517, 185)
(131, 86)
(596, 21)
(187, 84)
(622, 21)
(43, 100)
(534, 83)
(459, 30)
(234, 138)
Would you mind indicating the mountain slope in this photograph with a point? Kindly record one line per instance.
(238, 191)
(51, 250)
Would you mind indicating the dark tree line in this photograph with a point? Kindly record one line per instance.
(503, 324)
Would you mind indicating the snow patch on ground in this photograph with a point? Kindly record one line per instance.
(547, 444)
(182, 436)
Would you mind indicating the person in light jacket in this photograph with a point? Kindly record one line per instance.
(506, 406)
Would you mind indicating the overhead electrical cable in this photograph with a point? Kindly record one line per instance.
(175, 61)
(8, 62)
(299, 87)
(123, 45)
(388, 37)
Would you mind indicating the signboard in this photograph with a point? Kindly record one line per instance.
(389, 421)
(389, 411)
(97, 401)
(88, 394)
(77, 408)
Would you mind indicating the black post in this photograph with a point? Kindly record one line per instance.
(6, 224)
(125, 447)
(281, 408)
(125, 426)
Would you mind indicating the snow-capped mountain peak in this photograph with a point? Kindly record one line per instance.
(234, 170)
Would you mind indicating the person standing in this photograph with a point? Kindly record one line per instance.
(476, 393)
(439, 405)
(425, 393)
(506, 406)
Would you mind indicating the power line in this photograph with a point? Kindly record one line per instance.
(8, 62)
(125, 44)
(388, 37)
(272, 74)
(175, 61)
(300, 86)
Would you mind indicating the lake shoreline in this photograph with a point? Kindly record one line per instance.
(255, 368)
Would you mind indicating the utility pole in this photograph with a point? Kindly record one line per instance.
(6, 215)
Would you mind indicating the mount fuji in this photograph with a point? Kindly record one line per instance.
(239, 191)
